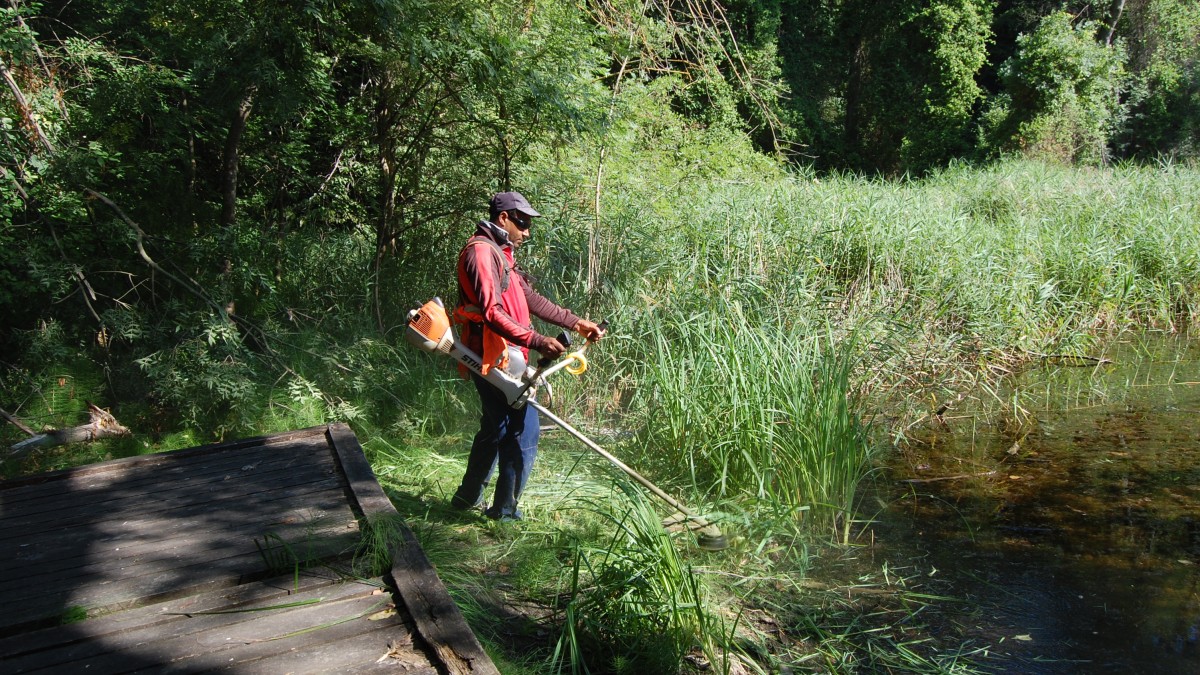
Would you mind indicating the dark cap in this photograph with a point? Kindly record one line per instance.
(507, 201)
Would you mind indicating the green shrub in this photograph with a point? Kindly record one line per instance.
(1062, 97)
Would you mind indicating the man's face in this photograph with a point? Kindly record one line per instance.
(517, 225)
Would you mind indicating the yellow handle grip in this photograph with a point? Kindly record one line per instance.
(579, 363)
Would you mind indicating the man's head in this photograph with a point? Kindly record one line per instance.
(512, 212)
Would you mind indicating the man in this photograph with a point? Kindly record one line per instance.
(494, 309)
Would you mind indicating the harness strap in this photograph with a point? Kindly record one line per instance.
(495, 347)
(506, 269)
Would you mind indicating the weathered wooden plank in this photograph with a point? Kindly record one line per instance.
(173, 490)
(41, 605)
(439, 622)
(121, 580)
(272, 634)
(364, 488)
(92, 507)
(178, 498)
(128, 539)
(281, 589)
(96, 651)
(132, 538)
(160, 458)
(254, 469)
(264, 504)
(95, 554)
(397, 663)
(72, 505)
(436, 617)
(238, 555)
(264, 507)
(137, 477)
(354, 638)
(355, 653)
(184, 521)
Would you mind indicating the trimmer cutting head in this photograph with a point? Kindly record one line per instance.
(708, 535)
(712, 541)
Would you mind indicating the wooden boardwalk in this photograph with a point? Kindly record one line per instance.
(242, 557)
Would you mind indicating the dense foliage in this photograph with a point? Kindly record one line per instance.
(228, 137)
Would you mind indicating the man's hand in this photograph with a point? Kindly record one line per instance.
(551, 348)
(588, 330)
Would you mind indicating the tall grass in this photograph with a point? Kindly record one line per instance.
(755, 410)
(749, 316)
(752, 305)
(633, 604)
(1011, 250)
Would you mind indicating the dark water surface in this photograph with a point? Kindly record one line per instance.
(1066, 518)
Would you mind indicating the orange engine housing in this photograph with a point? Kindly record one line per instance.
(429, 327)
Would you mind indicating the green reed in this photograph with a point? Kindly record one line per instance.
(734, 310)
(754, 408)
(633, 604)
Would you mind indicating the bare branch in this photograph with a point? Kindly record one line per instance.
(189, 285)
(24, 109)
(18, 423)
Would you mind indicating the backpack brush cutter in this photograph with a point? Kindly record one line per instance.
(429, 329)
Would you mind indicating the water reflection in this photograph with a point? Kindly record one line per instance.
(1068, 516)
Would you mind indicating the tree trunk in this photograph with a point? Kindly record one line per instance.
(229, 164)
(191, 146)
(855, 85)
(593, 263)
(505, 153)
(1114, 15)
(24, 109)
(385, 140)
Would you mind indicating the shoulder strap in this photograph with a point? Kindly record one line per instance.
(506, 273)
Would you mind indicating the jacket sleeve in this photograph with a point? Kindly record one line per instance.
(479, 276)
(545, 310)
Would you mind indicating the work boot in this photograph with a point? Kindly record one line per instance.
(496, 515)
(459, 504)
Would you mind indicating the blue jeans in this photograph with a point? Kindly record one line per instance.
(507, 441)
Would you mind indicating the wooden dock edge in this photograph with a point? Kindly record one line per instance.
(438, 620)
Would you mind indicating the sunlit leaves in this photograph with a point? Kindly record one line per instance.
(1063, 93)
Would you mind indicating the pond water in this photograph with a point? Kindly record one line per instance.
(1067, 520)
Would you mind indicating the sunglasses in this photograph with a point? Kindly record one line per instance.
(522, 222)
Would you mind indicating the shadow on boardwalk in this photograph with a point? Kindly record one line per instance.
(238, 556)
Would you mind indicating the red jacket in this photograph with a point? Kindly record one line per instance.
(506, 313)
